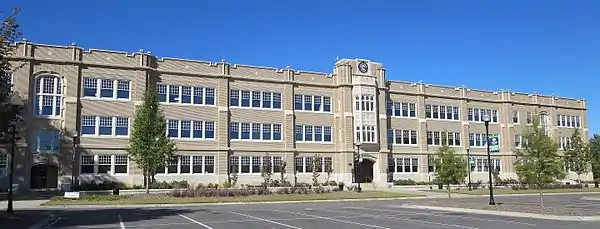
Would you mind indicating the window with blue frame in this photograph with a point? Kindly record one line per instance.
(255, 131)
(104, 126)
(106, 88)
(46, 141)
(190, 129)
(179, 94)
(254, 99)
(312, 103)
(309, 133)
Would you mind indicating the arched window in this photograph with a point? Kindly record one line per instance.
(544, 120)
(48, 95)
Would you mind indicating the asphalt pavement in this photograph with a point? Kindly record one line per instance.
(329, 215)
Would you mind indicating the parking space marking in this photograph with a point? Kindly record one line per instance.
(152, 225)
(407, 220)
(194, 221)
(266, 220)
(121, 222)
(440, 215)
(333, 219)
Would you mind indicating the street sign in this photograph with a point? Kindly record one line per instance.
(494, 143)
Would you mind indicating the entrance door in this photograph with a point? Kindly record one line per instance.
(44, 177)
(364, 171)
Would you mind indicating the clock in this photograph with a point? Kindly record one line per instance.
(363, 67)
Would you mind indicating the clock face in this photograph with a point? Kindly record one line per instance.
(363, 67)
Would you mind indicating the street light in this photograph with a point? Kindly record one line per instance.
(15, 101)
(357, 144)
(486, 121)
(73, 157)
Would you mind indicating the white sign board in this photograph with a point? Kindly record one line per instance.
(72, 195)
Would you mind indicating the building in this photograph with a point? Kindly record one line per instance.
(218, 110)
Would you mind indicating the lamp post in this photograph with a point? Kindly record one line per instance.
(486, 120)
(73, 157)
(357, 177)
(16, 102)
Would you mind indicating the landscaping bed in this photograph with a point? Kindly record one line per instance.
(223, 195)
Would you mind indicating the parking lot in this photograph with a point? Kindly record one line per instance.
(366, 214)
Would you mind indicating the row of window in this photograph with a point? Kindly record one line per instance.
(478, 140)
(106, 88)
(568, 121)
(253, 164)
(442, 112)
(308, 133)
(255, 131)
(178, 94)
(365, 133)
(403, 137)
(480, 165)
(104, 164)
(364, 102)
(190, 129)
(185, 164)
(305, 164)
(254, 99)
(476, 115)
(435, 138)
(104, 126)
(312, 103)
(403, 165)
(405, 110)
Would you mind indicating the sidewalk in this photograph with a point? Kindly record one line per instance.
(22, 204)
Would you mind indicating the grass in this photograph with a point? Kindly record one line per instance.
(485, 191)
(163, 199)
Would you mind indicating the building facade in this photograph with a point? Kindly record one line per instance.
(229, 115)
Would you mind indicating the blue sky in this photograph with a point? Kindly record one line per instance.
(550, 47)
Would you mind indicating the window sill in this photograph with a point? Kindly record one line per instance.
(256, 108)
(106, 99)
(193, 139)
(104, 136)
(183, 174)
(188, 104)
(439, 119)
(402, 117)
(317, 112)
(324, 143)
(253, 140)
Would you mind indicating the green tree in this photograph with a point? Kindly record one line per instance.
(266, 171)
(577, 155)
(149, 146)
(594, 146)
(315, 169)
(539, 162)
(449, 167)
(9, 32)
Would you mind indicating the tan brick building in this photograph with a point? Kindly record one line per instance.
(218, 110)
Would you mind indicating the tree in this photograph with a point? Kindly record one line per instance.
(328, 170)
(149, 146)
(449, 167)
(315, 172)
(594, 147)
(266, 171)
(577, 155)
(282, 168)
(9, 32)
(538, 162)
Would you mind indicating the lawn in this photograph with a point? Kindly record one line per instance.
(164, 199)
(485, 191)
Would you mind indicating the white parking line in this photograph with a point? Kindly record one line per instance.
(407, 220)
(336, 220)
(196, 222)
(439, 215)
(121, 222)
(266, 220)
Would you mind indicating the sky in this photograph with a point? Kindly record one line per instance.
(547, 46)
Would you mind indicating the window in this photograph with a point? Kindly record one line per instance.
(365, 133)
(404, 165)
(185, 164)
(309, 133)
(315, 103)
(436, 138)
(3, 161)
(481, 165)
(479, 140)
(253, 164)
(191, 129)
(529, 117)
(518, 141)
(104, 164)
(564, 142)
(104, 126)
(442, 112)
(515, 117)
(568, 121)
(48, 99)
(476, 115)
(254, 99)
(404, 137)
(255, 131)
(304, 164)
(177, 94)
(46, 142)
(365, 102)
(106, 88)
(404, 110)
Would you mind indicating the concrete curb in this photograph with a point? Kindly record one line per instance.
(504, 213)
(462, 195)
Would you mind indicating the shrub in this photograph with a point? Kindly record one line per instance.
(220, 192)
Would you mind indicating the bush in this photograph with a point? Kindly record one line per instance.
(410, 182)
(220, 192)
(99, 186)
(93, 198)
